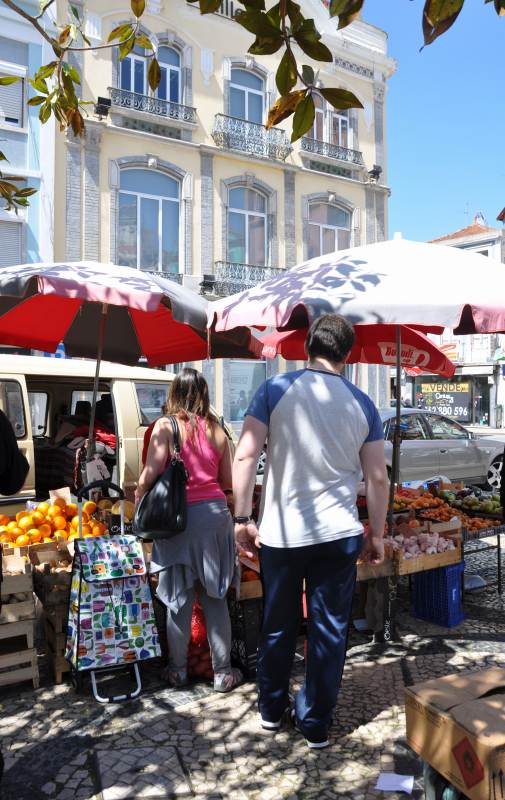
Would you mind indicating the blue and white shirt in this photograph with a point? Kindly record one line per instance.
(317, 424)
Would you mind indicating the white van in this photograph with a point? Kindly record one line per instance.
(45, 398)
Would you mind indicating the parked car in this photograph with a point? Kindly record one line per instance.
(432, 444)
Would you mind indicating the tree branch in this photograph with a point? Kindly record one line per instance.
(32, 20)
(44, 10)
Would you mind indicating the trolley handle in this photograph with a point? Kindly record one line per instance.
(102, 484)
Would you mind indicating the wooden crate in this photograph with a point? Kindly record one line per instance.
(407, 566)
(367, 571)
(55, 625)
(18, 663)
(17, 591)
(52, 588)
(250, 589)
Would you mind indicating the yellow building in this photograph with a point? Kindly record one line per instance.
(188, 181)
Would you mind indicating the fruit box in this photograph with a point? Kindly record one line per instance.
(407, 566)
(368, 571)
(17, 591)
(51, 577)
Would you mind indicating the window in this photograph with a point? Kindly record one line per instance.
(442, 428)
(247, 227)
(339, 133)
(133, 72)
(317, 130)
(329, 229)
(11, 402)
(12, 240)
(411, 428)
(247, 96)
(83, 396)
(11, 103)
(170, 67)
(148, 221)
(151, 397)
(39, 402)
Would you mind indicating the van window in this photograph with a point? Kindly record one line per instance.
(39, 402)
(87, 397)
(11, 400)
(151, 397)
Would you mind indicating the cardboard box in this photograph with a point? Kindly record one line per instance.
(457, 724)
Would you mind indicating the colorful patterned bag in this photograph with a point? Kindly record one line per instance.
(111, 616)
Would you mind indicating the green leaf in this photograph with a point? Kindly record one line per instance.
(21, 202)
(75, 12)
(308, 74)
(39, 84)
(25, 192)
(274, 15)
(144, 41)
(286, 76)
(85, 39)
(256, 22)
(72, 73)
(126, 46)
(308, 31)
(154, 74)
(8, 187)
(69, 89)
(8, 79)
(347, 11)
(316, 50)
(338, 7)
(209, 6)
(304, 117)
(45, 112)
(295, 15)
(46, 70)
(3, 157)
(258, 5)
(284, 107)
(435, 19)
(266, 45)
(37, 100)
(138, 7)
(341, 98)
(120, 32)
(499, 7)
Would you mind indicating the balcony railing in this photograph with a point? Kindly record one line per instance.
(122, 98)
(231, 277)
(250, 137)
(332, 151)
(176, 277)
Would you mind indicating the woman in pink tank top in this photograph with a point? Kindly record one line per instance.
(205, 552)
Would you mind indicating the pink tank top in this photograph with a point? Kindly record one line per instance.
(202, 463)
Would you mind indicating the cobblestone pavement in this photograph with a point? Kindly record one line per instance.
(59, 745)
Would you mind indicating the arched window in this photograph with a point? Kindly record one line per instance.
(170, 67)
(247, 96)
(247, 227)
(329, 229)
(148, 235)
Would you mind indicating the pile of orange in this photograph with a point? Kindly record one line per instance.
(58, 521)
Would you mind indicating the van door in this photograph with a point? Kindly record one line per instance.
(126, 415)
(14, 403)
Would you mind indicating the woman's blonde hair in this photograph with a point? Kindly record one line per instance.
(189, 396)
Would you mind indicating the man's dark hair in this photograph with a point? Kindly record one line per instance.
(330, 336)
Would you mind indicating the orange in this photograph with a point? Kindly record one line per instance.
(11, 525)
(35, 535)
(20, 514)
(5, 538)
(86, 530)
(15, 532)
(4, 519)
(4, 529)
(89, 507)
(75, 520)
(47, 540)
(54, 511)
(43, 508)
(98, 529)
(60, 523)
(60, 503)
(60, 536)
(23, 540)
(71, 509)
(26, 522)
(38, 518)
(72, 537)
(45, 529)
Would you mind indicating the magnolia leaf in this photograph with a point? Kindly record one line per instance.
(121, 31)
(126, 46)
(338, 7)
(65, 34)
(308, 75)
(209, 6)
(284, 107)
(433, 27)
(316, 50)
(37, 100)
(25, 192)
(58, 52)
(71, 71)
(60, 115)
(144, 41)
(77, 122)
(341, 98)
(69, 89)
(45, 112)
(256, 22)
(438, 11)
(266, 45)
(85, 39)
(46, 70)
(258, 5)
(8, 187)
(304, 117)
(295, 15)
(39, 84)
(21, 201)
(499, 6)
(274, 15)
(286, 76)
(138, 7)
(75, 12)
(6, 80)
(154, 74)
(3, 157)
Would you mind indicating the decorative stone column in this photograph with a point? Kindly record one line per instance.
(207, 212)
(289, 219)
(73, 206)
(91, 197)
(378, 114)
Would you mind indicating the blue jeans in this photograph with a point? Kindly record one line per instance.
(329, 570)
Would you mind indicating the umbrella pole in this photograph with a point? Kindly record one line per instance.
(101, 338)
(395, 462)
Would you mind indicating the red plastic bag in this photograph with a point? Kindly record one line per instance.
(199, 659)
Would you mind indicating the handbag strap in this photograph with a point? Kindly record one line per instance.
(177, 438)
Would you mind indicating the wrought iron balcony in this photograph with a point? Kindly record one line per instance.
(332, 151)
(176, 277)
(250, 137)
(231, 277)
(122, 98)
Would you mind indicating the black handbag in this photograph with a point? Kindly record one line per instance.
(163, 511)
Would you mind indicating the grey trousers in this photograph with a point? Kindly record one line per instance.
(218, 624)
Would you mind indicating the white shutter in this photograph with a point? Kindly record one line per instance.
(10, 243)
(11, 103)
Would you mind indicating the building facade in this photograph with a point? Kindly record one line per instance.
(188, 181)
(476, 394)
(27, 236)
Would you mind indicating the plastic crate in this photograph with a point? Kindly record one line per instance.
(245, 616)
(436, 595)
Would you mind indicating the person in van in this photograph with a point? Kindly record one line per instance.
(204, 555)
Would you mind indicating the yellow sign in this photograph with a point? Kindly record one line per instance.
(427, 388)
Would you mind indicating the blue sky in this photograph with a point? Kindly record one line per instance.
(446, 118)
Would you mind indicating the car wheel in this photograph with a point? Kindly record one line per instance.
(260, 469)
(494, 474)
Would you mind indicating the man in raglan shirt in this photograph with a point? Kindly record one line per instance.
(323, 432)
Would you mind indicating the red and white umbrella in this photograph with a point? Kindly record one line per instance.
(374, 344)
